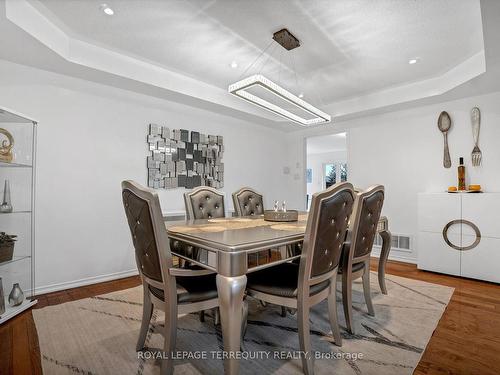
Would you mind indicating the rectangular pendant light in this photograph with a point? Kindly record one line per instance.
(240, 90)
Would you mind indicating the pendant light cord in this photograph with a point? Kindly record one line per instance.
(258, 57)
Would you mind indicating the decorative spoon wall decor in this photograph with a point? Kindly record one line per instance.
(444, 125)
(475, 119)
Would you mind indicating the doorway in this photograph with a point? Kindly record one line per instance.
(326, 157)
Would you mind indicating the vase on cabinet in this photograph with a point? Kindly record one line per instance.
(16, 296)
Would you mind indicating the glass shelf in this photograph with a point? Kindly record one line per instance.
(15, 259)
(11, 311)
(14, 165)
(15, 212)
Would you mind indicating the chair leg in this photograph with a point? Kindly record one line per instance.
(216, 316)
(283, 311)
(244, 322)
(347, 299)
(170, 336)
(147, 312)
(366, 289)
(332, 312)
(384, 255)
(305, 339)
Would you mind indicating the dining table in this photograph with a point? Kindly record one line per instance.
(232, 247)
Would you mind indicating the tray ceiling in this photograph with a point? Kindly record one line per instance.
(353, 56)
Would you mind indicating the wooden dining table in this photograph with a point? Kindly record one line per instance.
(233, 247)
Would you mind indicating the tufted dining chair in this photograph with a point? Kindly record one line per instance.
(248, 202)
(167, 288)
(301, 286)
(357, 249)
(204, 202)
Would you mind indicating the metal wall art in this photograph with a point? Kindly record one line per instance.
(444, 125)
(475, 118)
(180, 158)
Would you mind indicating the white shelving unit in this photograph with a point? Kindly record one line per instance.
(21, 221)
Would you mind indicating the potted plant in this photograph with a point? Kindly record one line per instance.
(6, 246)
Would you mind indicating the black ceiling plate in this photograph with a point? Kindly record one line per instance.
(286, 39)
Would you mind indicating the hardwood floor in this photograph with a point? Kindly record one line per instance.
(466, 341)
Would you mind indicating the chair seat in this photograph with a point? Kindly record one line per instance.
(280, 281)
(355, 267)
(193, 289)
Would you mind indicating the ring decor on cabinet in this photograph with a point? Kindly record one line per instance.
(466, 222)
(183, 158)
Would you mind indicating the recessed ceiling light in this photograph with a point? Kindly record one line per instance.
(106, 9)
(234, 64)
(412, 61)
(301, 95)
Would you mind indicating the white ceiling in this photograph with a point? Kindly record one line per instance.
(327, 143)
(349, 47)
(353, 59)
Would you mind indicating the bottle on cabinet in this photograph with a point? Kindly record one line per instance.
(461, 175)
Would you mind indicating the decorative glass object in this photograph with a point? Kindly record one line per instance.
(17, 168)
(6, 205)
(16, 296)
(6, 146)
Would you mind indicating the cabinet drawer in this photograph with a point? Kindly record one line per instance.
(482, 262)
(484, 211)
(435, 255)
(437, 210)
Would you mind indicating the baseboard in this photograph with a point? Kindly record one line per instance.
(398, 257)
(87, 281)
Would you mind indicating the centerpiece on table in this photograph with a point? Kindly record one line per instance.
(281, 215)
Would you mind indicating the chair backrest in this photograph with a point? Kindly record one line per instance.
(326, 232)
(204, 202)
(365, 220)
(248, 202)
(149, 235)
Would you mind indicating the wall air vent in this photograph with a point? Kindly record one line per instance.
(399, 242)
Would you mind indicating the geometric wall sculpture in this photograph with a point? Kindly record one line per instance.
(180, 158)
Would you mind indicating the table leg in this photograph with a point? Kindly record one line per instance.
(384, 254)
(231, 291)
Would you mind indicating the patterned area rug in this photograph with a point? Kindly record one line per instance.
(98, 335)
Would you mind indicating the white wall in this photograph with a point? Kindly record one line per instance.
(316, 162)
(90, 138)
(404, 151)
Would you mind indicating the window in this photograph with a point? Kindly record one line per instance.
(343, 172)
(334, 172)
(330, 175)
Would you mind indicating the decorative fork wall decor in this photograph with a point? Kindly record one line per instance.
(475, 118)
(180, 158)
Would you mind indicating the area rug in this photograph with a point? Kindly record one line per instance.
(98, 335)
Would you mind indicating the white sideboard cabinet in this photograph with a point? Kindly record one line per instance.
(459, 234)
